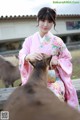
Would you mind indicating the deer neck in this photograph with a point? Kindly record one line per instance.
(39, 77)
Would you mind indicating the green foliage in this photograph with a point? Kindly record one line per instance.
(16, 83)
(76, 64)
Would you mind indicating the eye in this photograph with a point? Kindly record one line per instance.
(43, 20)
(50, 21)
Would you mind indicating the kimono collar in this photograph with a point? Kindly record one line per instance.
(46, 37)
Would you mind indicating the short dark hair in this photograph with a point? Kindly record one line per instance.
(47, 13)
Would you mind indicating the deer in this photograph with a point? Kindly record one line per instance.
(35, 101)
(9, 73)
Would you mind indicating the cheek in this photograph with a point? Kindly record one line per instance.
(40, 23)
(50, 26)
(40, 26)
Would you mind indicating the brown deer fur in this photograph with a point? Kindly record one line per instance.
(8, 72)
(34, 101)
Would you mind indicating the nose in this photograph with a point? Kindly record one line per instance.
(45, 23)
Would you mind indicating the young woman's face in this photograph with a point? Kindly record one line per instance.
(45, 26)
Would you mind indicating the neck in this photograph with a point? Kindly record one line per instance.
(39, 77)
(42, 34)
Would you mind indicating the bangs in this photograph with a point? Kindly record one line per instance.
(46, 17)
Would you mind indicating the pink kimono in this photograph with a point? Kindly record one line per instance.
(52, 45)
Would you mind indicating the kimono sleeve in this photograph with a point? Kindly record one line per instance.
(24, 65)
(64, 59)
(25, 50)
(65, 71)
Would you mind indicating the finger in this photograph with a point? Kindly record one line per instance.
(50, 64)
(39, 56)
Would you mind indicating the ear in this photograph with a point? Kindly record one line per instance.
(48, 60)
(37, 19)
(33, 63)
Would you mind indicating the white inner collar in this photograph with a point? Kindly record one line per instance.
(41, 38)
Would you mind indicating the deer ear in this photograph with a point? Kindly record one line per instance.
(33, 63)
(49, 59)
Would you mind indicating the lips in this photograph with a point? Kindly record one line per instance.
(45, 28)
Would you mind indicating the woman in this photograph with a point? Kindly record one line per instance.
(45, 42)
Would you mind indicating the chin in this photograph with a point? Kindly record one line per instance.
(45, 32)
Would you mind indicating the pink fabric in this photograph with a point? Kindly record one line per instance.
(51, 45)
(58, 89)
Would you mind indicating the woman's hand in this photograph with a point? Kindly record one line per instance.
(54, 62)
(33, 57)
